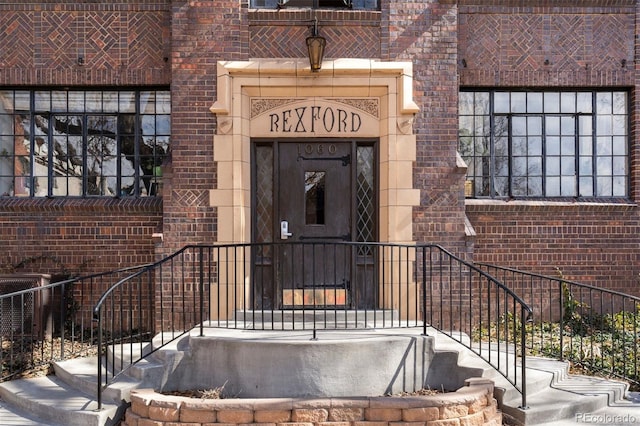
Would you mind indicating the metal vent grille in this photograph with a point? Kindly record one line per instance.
(19, 313)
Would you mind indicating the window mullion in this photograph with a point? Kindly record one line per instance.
(136, 147)
(492, 148)
(85, 145)
(576, 150)
(509, 155)
(32, 142)
(594, 147)
(50, 165)
(544, 154)
(118, 138)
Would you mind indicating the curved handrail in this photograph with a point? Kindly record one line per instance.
(485, 274)
(98, 313)
(425, 284)
(52, 315)
(591, 326)
(517, 317)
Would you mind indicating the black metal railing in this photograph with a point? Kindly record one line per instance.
(594, 328)
(42, 322)
(311, 286)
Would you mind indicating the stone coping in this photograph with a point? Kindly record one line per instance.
(471, 405)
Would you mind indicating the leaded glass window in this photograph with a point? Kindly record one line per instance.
(83, 143)
(545, 144)
(264, 193)
(365, 194)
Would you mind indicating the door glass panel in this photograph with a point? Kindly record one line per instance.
(264, 193)
(314, 187)
(365, 195)
(365, 198)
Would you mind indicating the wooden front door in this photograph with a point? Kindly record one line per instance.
(310, 195)
(315, 211)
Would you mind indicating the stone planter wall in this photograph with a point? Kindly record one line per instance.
(471, 405)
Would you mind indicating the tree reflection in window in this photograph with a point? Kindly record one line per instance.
(545, 144)
(314, 192)
(77, 143)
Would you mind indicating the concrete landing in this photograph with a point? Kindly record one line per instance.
(555, 397)
(287, 364)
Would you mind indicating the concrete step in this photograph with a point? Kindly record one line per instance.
(12, 416)
(551, 405)
(626, 412)
(310, 318)
(68, 398)
(82, 374)
(147, 371)
(553, 394)
(53, 402)
(566, 397)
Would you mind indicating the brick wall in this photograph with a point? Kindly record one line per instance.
(203, 33)
(425, 32)
(282, 33)
(589, 243)
(516, 44)
(512, 43)
(71, 237)
(122, 43)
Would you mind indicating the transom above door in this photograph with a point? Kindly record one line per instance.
(312, 194)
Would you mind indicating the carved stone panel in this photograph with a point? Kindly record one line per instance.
(308, 117)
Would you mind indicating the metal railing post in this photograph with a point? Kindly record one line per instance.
(424, 291)
(99, 379)
(561, 330)
(201, 286)
(63, 310)
(523, 361)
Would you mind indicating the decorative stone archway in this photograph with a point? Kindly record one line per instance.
(380, 93)
(242, 83)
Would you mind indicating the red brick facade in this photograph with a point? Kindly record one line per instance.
(452, 44)
(515, 44)
(122, 44)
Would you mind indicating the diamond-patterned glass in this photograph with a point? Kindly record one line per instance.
(365, 190)
(264, 194)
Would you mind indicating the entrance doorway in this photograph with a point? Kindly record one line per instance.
(314, 195)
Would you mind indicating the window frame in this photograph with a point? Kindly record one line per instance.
(98, 156)
(484, 119)
(317, 4)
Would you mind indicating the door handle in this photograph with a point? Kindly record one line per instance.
(284, 230)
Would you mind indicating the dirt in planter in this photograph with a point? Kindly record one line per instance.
(200, 394)
(218, 393)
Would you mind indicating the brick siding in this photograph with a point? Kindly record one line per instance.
(507, 45)
(122, 43)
